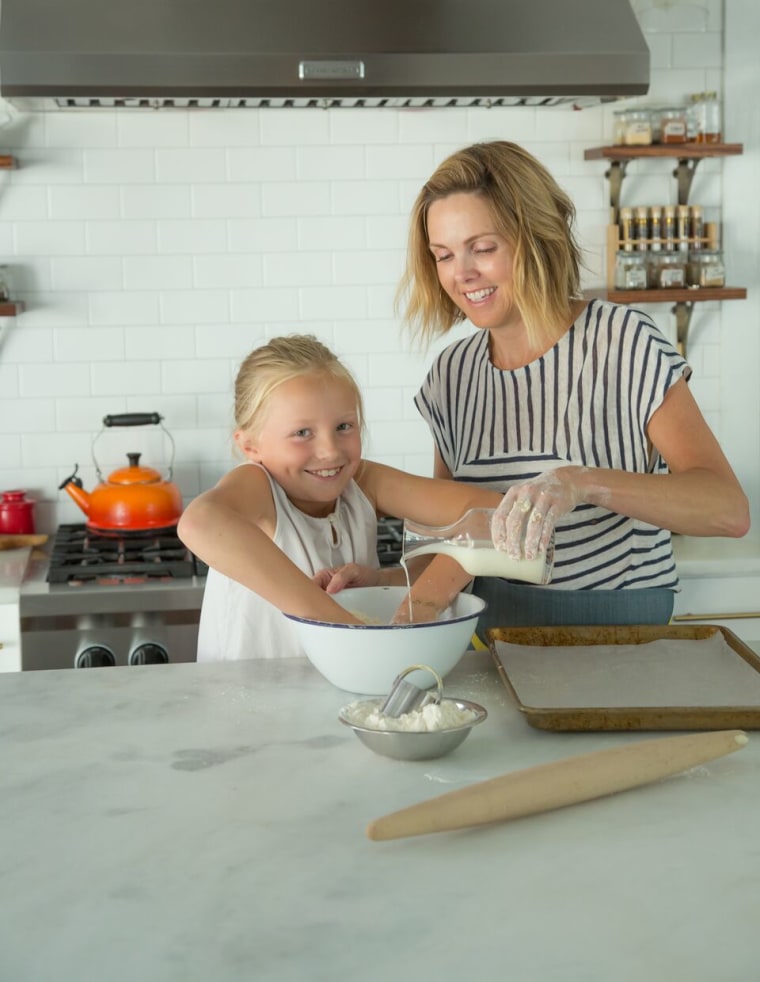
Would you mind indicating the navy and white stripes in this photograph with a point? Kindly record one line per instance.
(587, 401)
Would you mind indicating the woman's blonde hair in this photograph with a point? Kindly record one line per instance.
(533, 214)
(280, 360)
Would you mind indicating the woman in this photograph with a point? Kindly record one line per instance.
(579, 411)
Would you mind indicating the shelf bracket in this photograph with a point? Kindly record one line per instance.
(683, 310)
(684, 174)
(615, 175)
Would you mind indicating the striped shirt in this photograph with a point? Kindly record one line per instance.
(587, 401)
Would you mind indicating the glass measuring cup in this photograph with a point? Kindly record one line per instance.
(469, 542)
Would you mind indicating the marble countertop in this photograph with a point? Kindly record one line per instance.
(197, 822)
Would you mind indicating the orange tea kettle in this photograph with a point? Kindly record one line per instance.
(133, 498)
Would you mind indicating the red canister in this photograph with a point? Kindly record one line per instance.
(16, 513)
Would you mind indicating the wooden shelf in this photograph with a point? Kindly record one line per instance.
(7, 162)
(9, 308)
(687, 151)
(681, 295)
(688, 156)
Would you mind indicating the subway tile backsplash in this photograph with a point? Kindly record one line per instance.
(155, 249)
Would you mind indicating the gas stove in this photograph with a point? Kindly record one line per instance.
(82, 557)
(134, 599)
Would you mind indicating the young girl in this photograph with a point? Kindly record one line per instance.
(275, 529)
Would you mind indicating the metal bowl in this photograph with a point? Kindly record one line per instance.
(413, 745)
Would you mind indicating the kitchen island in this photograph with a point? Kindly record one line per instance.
(206, 822)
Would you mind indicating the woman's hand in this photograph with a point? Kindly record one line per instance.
(341, 577)
(523, 524)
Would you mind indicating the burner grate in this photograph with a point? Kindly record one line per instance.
(80, 556)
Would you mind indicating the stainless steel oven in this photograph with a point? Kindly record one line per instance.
(100, 601)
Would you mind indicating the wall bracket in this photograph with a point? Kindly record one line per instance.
(683, 310)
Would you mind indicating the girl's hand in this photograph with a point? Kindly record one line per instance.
(418, 612)
(523, 524)
(342, 577)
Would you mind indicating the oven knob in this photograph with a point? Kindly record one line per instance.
(94, 656)
(148, 653)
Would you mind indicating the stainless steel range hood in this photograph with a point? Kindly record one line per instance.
(323, 53)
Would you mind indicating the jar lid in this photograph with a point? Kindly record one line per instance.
(669, 258)
(14, 495)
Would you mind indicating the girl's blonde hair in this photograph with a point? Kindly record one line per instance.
(280, 360)
(533, 214)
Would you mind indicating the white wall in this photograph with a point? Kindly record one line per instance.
(155, 249)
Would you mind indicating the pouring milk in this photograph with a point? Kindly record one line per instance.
(469, 542)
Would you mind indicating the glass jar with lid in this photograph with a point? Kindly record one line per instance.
(666, 270)
(638, 127)
(630, 271)
(705, 268)
(704, 118)
(671, 126)
(618, 126)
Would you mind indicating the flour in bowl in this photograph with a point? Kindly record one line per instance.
(365, 618)
(445, 715)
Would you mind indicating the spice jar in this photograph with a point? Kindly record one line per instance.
(641, 229)
(671, 127)
(626, 228)
(683, 227)
(16, 513)
(630, 271)
(666, 270)
(638, 127)
(705, 268)
(697, 227)
(669, 228)
(655, 228)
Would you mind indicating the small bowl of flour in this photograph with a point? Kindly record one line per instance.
(423, 734)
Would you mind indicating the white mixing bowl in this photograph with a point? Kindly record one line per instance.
(366, 658)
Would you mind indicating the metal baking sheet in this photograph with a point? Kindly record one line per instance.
(646, 677)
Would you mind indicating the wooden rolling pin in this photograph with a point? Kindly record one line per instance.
(562, 782)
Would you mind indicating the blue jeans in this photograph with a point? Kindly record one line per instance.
(521, 605)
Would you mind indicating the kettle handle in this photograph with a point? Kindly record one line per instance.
(132, 419)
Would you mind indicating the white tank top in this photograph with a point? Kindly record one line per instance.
(237, 623)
